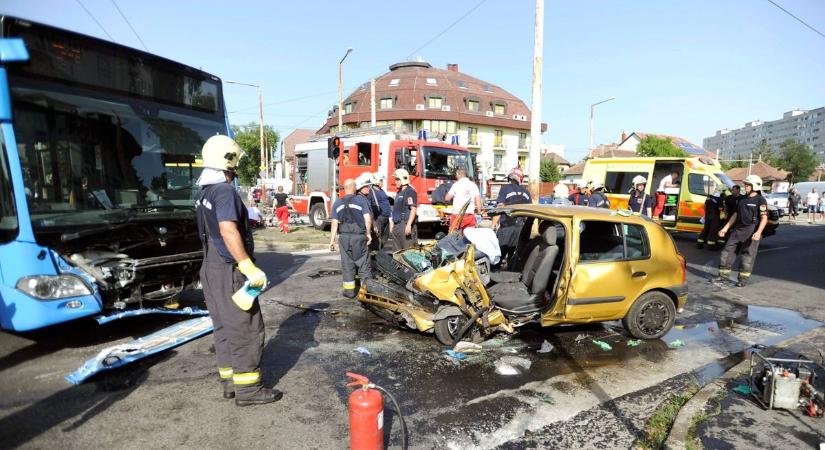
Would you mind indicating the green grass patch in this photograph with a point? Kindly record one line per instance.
(693, 442)
(658, 426)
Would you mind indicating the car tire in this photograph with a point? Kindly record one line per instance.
(651, 316)
(318, 216)
(447, 328)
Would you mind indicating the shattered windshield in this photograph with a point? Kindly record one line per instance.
(442, 162)
(89, 158)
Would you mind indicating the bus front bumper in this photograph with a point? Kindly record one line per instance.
(23, 313)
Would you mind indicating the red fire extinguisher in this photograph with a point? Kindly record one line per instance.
(366, 415)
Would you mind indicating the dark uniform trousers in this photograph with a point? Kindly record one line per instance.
(379, 240)
(401, 240)
(239, 334)
(713, 222)
(742, 234)
(355, 260)
(507, 234)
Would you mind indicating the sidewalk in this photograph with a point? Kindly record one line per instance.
(719, 417)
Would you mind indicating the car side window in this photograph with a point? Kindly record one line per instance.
(611, 241)
(600, 241)
(635, 241)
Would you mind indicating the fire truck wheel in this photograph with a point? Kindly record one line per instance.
(318, 216)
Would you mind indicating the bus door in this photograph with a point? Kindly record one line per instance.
(666, 203)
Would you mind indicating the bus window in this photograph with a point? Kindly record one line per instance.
(8, 212)
(621, 182)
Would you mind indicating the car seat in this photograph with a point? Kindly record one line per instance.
(524, 292)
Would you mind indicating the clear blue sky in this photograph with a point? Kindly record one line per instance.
(685, 68)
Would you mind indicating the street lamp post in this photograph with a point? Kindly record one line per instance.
(264, 163)
(592, 109)
(341, 88)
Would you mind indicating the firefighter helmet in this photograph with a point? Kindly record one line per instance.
(402, 176)
(639, 179)
(364, 180)
(754, 181)
(221, 153)
(516, 174)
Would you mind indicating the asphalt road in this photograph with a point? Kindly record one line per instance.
(577, 396)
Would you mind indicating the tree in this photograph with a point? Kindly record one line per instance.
(656, 146)
(798, 159)
(249, 138)
(764, 152)
(549, 171)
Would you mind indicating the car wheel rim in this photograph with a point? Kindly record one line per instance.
(453, 325)
(653, 317)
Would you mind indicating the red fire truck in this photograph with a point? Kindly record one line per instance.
(429, 162)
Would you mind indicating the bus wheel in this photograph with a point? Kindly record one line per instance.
(318, 216)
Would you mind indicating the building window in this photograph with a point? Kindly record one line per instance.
(488, 88)
(439, 126)
(498, 162)
(434, 102)
(348, 108)
(498, 141)
(461, 84)
(522, 161)
(498, 109)
(432, 82)
(386, 103)
(473, 105)
(395, 82)
(522, 139)
(472, 136)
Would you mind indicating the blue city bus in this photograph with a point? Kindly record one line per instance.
(99, 154)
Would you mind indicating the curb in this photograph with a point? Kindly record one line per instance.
(677, 439)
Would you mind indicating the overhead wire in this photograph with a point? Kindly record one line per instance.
(449, 27)
(95, 20)
(797, 18)
(130, 25)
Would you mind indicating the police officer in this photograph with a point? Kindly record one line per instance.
(639, 201)
(382, 211)
(351, 217)
(747, 222)
(597, 197)
(404, 223)
(508, 228)
(714, 210)
(227, 245)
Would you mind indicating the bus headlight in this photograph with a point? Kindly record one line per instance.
(53, 287)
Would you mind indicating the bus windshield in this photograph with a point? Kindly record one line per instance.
(442, 162)
(84, 156)
(8, 212)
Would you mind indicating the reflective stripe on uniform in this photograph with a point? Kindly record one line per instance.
(724, 271)
(225, 372)
(744, 274)
(701, 241)
(246, 378)
(349, 285)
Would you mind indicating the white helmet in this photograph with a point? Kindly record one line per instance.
(364, 180)
(221, 153)
(561, 190)
(597, 186)
(377, 177)
(754, 181)
(402, 176)
(639, 179)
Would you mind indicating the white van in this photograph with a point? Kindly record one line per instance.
(804, 187)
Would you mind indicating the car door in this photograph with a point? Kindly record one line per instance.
(603, 282)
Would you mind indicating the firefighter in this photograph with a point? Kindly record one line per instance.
(732, 200)
(351, 217)
(714, 210)
(597, 198)
(639, 201)
(404, 226)
(747, 222)
(227, 245)
(580, 196)
(382, 211)
(508, 228)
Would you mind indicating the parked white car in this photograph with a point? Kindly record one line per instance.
(780, 200)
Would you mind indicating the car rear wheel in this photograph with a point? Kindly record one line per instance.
(651, 316)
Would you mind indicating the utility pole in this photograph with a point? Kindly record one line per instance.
(592, 110)
(372, 102)
(341, 89)
(535, 118)
(264, 168)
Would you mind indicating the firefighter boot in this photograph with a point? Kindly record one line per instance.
(228, 389)
(256, 395)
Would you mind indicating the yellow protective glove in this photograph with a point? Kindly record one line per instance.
(256, 276)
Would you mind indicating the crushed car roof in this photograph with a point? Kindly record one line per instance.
(582, 212)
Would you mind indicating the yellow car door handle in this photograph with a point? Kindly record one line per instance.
(639, 274)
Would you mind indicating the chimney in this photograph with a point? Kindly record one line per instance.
(452, 67)
(624, 137)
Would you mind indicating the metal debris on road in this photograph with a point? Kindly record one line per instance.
(634, 342)
(580, 338)
(467, 347)
(362, 351)
(743, 389)
(188, 311)
(676, 343)
(603, 345)
(512, 365)
(330, 311)
(546, 347)
(121, 354)
(495, 342)
(324, 273)
(455, 355)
